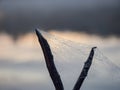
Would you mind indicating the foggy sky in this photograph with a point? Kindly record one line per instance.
(100, 17)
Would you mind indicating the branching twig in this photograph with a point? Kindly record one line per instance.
(84, 70)
(52, 69)
(50, 62)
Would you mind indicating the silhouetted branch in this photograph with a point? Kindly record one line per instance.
(84, 70)
(50, 62)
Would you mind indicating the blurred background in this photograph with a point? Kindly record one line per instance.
(92, 22)
(100, 17)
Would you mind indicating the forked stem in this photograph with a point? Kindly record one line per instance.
(52, 69)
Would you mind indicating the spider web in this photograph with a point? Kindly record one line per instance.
(69, 58)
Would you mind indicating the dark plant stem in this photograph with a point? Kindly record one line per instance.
(84, 70)
(50, 62)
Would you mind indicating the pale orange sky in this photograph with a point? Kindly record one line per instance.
(27, 48)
